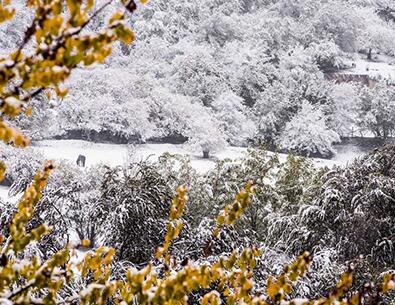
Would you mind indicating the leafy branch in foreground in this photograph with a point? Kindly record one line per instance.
(52, 47)
(24, 279)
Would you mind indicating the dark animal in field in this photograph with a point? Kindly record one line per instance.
(81, 160)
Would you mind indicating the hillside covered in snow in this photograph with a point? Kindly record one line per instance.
(253, 70)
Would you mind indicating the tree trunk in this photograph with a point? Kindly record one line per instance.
(206, 154)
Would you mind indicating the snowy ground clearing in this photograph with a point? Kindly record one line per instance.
(115, 154)
(4, 194)
(382, 68)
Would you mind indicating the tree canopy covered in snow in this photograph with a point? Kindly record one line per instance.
(263, 60)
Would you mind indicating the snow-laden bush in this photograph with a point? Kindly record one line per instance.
(22, 165)
(235, 277)
(126, 206)
(135, 201)
(75, 193)
(354, 210)
(308, 134)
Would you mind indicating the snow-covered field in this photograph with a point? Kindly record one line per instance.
(382, 68)
(4, 193)
(115, 154)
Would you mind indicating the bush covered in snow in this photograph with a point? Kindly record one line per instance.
(22, 165)
(135, 202)
(294, 206)
(354, 210)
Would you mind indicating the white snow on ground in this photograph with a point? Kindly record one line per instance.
(3, 191)
(346, 154)
(383, 68)
(116, 154)
(5, 197)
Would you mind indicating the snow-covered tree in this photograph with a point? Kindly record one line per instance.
(198, 74)
(219, 29)
(204, 132)
(170, 20)
(299, 80)
(343, 117)
(376, 110)
(307, 133)
(376, 36)
(340, 22)
(87, 109)
(234, 118)
(136, 200)
(327, 55)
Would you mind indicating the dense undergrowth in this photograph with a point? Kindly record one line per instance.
(343, 216)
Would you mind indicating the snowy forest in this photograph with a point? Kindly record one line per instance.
(201, 152)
